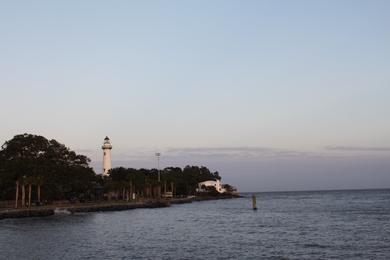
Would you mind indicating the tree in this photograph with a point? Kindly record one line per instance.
(229, 189)
(63, 172)
(144, 182)
(50, 167)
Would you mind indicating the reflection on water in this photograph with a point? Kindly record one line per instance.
(287, 225)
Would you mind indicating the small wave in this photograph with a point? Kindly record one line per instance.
(314, 245)
(62, 212)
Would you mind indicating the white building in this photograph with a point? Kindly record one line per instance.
(216, 184)
(106, 155)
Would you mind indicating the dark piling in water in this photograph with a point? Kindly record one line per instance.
(254, 202)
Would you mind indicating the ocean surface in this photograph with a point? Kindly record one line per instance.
(287, 225)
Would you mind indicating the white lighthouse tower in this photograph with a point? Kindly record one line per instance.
(106, 155)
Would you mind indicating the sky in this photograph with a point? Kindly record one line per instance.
(275, 95)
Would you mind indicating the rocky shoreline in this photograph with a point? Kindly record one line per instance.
(100, 207)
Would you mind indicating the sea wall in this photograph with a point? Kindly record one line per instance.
(180, 200)
(24, 213)
(221, 197)
(49, 211)
(119, 207)
(103, 206)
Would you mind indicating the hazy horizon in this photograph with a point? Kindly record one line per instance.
(275, 95)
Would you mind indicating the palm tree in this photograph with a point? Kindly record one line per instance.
(17, 193)
(23, 191)
(130, 191)
(29, 192)
(39, 182)
(172, 188)
(28, 181)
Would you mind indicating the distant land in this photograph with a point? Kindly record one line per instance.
(36, 172)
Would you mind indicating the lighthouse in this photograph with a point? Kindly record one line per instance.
(106, 155)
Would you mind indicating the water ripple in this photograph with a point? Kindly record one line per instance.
(289, 225)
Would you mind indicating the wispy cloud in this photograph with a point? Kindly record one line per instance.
(247, 152)
(358, 148)
(243, 153)
(239, 152)
(212, 152)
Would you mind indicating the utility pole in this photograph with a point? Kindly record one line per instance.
(158, 165)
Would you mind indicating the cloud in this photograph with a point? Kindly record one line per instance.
(237, 152)
(358, 148)
(246, 154)
(191, 153)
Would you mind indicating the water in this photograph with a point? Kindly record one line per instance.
(287, 225)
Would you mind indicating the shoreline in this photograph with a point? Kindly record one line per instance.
(51, 210)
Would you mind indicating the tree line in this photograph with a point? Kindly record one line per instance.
(35, 168)
(144, 182)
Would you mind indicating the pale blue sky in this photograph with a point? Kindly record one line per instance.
(274, 94)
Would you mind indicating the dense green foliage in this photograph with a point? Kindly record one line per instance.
(185, 181)
(61, 174)
(32, 159)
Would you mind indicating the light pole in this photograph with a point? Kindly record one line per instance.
(158, 165)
